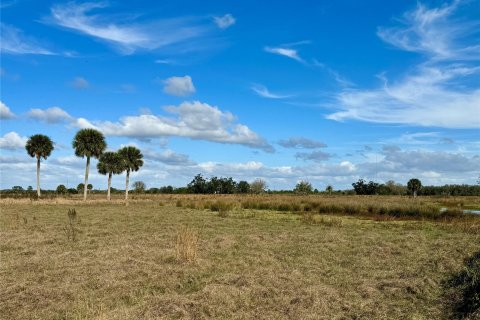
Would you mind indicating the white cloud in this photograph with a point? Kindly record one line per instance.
(179, 86)
(301, 143)
(317, 156)
(126, 34)
(431, 31)
(168, 157)
(50, 115)
(79, 83)
(12, 141)
(286, 52)
(13, 41)
(224, 21)
(5, 112)
(193, 120)
(427, 98)
(262, 91)
(438, 92)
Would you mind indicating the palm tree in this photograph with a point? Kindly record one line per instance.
(110, 163)
(414, 185)
(39, 146)
(329, 189)
(132, 161)
(88, 143)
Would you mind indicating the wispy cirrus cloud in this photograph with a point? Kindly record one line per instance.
(286, 52)
(14, 41)
(431, 31)
(438, 92)
(263, 92)
(127, 35)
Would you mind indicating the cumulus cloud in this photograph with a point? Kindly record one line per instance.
(193, 120)
(301, 143)
(262, 91)
(50, 115)
(224, 21)
(14, 41)
(428, 161)
(12, 141)
(79, 83)
(317, 156)
(438, 92)
(169, 157)
(179, 86)
(5, 112)
(127, 34)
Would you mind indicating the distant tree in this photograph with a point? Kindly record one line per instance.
(198, 185)
(29, 189)
(39, 146)
(139, 186)
(361, 187)
(258, 186)
(166, 190)
(72, 191)
(329, 189)
(132, 161)
(80, 187)
(88, 143)
(89, 188)
(17, 189)
(225, 186)
(303, 187)
(110, 163)
(413, 186)
(395, 188)
(243, 187)
(61, 189)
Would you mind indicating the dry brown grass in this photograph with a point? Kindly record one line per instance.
(187, 245)
(251, 264)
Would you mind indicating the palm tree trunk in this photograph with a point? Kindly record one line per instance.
(86, 179)
(38, 176)
(126, 187)
(109, 184)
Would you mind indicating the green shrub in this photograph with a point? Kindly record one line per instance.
(465, 298)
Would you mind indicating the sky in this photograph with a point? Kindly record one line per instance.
(324, 91)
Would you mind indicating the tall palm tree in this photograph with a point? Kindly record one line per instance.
(414, 185)
(88, 143)
(132, 161)
(110, 163)
(39, 146)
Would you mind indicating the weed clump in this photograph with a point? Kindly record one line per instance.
(70, 227)
(186, 245)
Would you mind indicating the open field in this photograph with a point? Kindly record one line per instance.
(249, 263)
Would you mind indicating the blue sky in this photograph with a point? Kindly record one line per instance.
(324, 91)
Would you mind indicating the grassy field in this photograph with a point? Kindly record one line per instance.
(125, 262)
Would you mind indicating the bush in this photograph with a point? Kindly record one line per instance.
(465, 285)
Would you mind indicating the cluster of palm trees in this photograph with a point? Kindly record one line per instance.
(90, 143)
